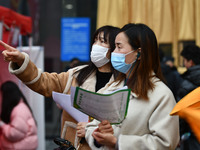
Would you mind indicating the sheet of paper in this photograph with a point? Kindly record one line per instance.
(64, 100)
(72, 92)
(112, 106)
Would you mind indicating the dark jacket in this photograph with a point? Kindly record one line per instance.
(172, 78)
(191, 80)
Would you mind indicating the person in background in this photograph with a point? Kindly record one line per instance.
(191, 80)
(18, 128)
(73, 63)
(148, 124)
(169, 60)
(171, 75)
(191, 60)
(93, 77)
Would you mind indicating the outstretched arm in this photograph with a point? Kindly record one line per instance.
(12, 54)
(23, 68)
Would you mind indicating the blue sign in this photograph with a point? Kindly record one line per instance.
(75, 39)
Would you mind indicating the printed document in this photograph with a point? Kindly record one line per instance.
(112, 107)
(64, 100)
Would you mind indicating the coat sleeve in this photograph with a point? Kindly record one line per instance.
(40, 82)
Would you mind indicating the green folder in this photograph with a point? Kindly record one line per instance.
(112, 107)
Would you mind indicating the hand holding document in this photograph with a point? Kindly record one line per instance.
(112, 107)
(64, 100)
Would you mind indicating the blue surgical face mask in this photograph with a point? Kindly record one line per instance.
(118, 62)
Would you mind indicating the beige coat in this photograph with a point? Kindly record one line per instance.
(148, 125)
(44, 83)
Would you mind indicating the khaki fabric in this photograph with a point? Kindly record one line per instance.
(173, 21)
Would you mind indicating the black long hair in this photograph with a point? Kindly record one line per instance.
(11, 96)
(110, 33)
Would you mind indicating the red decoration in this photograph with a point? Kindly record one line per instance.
(10, 18)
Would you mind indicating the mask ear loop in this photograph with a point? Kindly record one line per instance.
(138, 55)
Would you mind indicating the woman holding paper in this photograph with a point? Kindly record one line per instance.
(92, 77)
(148, 124)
